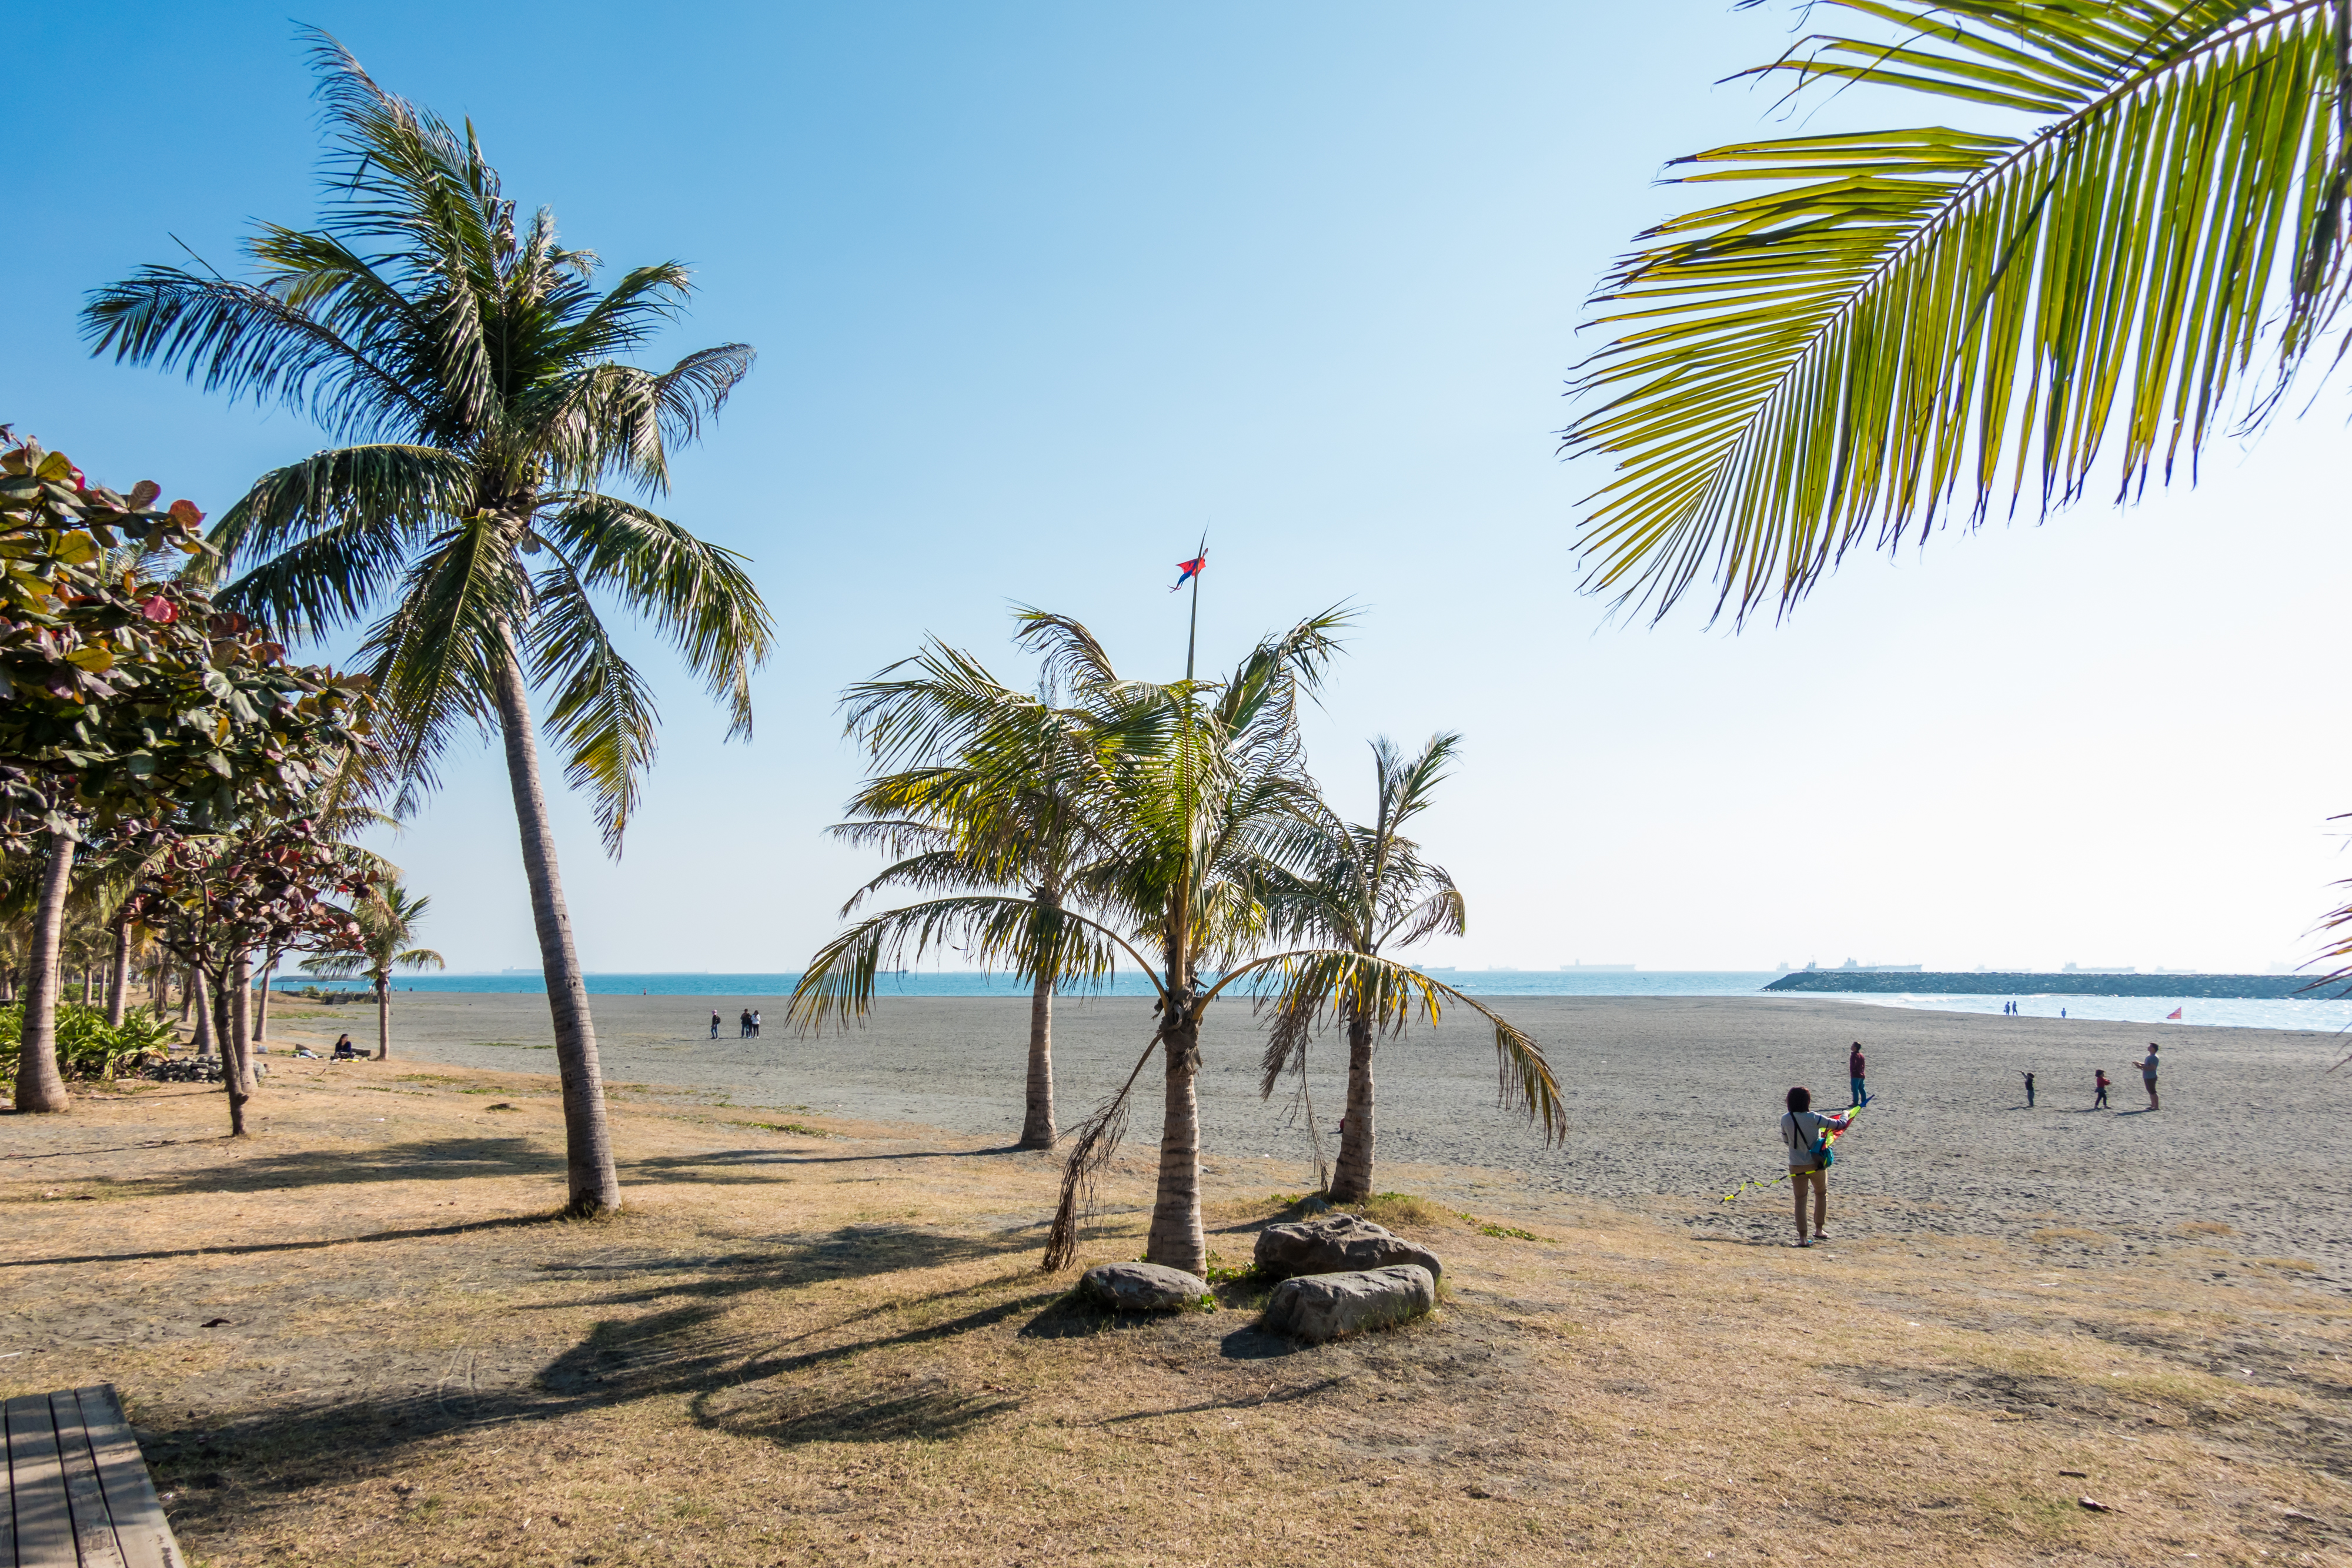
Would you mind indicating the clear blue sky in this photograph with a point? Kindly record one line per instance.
(1040, 291)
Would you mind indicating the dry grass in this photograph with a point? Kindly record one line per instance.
(810, 1340)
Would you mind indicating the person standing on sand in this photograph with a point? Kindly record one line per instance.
(1803, 1129)
(714, 1023)
(2028, 1090)
(1854, 1067)
(755, 1023)
(743, 1024)
(2147, 1077)
(2100, 1075)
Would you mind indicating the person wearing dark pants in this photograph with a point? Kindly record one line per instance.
(2028, 1090)
(1854, 1069)
(2100, 1101)
(714, 1023)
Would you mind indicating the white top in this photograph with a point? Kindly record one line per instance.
(1800, 1130)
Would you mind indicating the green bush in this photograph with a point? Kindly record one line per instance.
(88, 1048)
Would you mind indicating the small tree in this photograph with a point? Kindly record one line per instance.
(1361, 888)
(215, 898)
(387, 919)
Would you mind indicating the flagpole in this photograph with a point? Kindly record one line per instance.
(1192, 637)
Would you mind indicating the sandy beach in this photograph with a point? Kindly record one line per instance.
(1673, 1102)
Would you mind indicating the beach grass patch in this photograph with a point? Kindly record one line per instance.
(2203, 1227)
(1395, 1208)
(2057, 1235)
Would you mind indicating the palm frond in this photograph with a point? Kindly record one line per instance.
(602, 712)
(698, 594)
(434, 657)
(1303, 991)
(1914, 320)
(342, 523)
(1019, 934)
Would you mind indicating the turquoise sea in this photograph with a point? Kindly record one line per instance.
(2252, 1013)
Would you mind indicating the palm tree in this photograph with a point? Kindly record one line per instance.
(1202, 776)
(471, 363)
(387, 921)
(1359, 889)
(988, 795)
(1911, 323)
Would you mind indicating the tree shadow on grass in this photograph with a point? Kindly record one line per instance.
(423, 1159)
(741, 1383)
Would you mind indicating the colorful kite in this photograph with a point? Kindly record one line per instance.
(1186, 569)
(1837, 1121)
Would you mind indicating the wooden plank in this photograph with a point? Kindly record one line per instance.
(139, 1527)
(36, 1485)
(93, 1526)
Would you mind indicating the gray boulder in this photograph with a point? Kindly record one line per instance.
(1141, 1287)
(1318, 1307)
(1336, 1244)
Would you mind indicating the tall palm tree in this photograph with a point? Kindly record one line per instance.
(387, 919)
(1360, 888)
(1915, 323)
(472, 365)
(988, 793)
(1204, 774)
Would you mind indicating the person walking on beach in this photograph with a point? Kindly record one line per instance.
(2100, 1075)
(755, 1023)
(1854, 1067)
(1803, 1130)
(2147, 1077)
(714, 1023)
(743, 1024)
(2028, 1090)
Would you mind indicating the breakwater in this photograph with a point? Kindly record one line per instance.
(1869, 982)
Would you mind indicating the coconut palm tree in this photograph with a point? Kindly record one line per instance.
(387, 919)
(988, 794)
(470, 361)
(1360, 889)
(1915, 323)
(1203, 775)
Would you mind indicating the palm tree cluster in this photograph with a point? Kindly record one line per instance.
(387, 920)
(1170, 826)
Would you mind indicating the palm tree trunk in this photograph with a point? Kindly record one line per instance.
(237, 1052)
(118, 985)
(199, 995)
(1351, 1182)
(1038, 1131)
(382, 1019)
(594, 1185)
(1176, 1239)
(39, 1085)
(261, 1003)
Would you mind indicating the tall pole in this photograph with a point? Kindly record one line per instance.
(1192, 638)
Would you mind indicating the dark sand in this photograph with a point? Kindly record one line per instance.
(1672, 1102)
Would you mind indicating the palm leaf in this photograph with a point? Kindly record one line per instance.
(1913, 321)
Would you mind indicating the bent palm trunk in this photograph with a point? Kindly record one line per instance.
(1176, 1239)
(261, 1004)
(1351, 1182)
(594, 1185)
(39, 1085)
(1037, 1129)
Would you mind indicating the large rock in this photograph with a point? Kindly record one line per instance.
(1142, 1287)
(1334, 1245)
(1318, 1307)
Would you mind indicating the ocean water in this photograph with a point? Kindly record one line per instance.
(2230, 1012)
(2247, 1013)
(964, 983)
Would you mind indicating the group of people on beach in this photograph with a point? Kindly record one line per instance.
(2100, 1082)
(1807, 1134)
(747, 1026)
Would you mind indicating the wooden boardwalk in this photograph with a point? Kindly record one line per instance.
(78, 1493)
